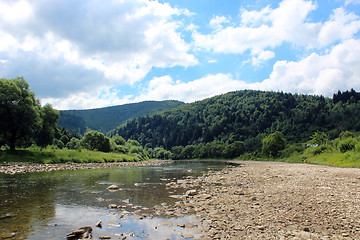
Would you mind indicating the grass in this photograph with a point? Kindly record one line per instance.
(330, 158)
(48, 155)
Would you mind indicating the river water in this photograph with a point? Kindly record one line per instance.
(48, 205)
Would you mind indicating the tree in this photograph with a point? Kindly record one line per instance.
(273, 144)
(49, 117)
(19, 111)
(319, 138)
(94, 140)
(234, 150)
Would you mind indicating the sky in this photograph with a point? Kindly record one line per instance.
(82, 54)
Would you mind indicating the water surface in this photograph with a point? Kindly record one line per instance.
(48, 205)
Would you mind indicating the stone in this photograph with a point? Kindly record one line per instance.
(191, 192)
(7, 235)
(113, 187)
(81, 233)
(98, 224)
(112, 206)
(187, 235)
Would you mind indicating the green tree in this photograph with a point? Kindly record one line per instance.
(234, 150)
(49, 118)
(319, 138)
(94, 140)
(118, 140)
(19, 111)
(273, 144)
(74, 143)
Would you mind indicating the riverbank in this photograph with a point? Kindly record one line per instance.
(275, 200)
(20, 167)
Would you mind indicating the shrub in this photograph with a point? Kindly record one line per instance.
(273, 144)
(347, 144)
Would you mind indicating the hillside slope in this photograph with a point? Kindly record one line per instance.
(108, 118)
(246, 116)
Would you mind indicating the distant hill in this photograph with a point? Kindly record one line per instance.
(108, 118)
(246, 116)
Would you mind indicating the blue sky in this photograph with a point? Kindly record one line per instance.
(79, 54)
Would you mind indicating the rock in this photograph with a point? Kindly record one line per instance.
(127, 201)
(7, 235)
(191, 192)
(98, 224)
(81, 233)
(112, 206)
(114, 224)
(261, 228)
(181, 181)
(168, 223)
(113, 187)
(187, 235)
(137, 217)
(205, 196)
(175, 196)
(8, 215)
(105, 237)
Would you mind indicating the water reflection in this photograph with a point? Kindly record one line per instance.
(50, 205)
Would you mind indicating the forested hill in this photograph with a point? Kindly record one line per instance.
(108, 118)
(247, 116)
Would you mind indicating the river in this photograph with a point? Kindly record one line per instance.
(48, 205)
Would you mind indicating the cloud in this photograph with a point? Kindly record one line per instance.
(161, 88)
(64, 48)
(318, 74)
(269, 28)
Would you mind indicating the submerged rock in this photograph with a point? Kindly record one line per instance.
(81, 233)
(7, 235)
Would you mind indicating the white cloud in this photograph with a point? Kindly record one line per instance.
(340, 26)
(347, 2)
(217, 21)
(270, 28)
(166, 88)
(263, 56)
(318, 74)
(68, 47)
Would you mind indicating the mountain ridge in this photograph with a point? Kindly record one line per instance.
(108, 118)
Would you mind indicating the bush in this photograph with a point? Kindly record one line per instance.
(94, 140)
(74, 143)
(318, 150)
(273, 144)
(347, 144)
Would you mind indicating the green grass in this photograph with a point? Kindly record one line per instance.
(331, 158)
(48, 155)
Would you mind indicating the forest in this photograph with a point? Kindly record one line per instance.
(246, 124)
(214, 126)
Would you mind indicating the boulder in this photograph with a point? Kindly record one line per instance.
(81, 233)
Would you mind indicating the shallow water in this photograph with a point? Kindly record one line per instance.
(48, 205)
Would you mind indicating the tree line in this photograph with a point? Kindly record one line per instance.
(245, 117)
(224, 126)
(24, 123)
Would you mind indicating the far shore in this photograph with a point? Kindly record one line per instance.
(21, 167)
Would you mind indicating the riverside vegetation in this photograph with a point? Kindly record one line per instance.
(29, 132)
(245, 124)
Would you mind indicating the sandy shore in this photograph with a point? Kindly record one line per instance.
(18, 167)
(273, 200)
